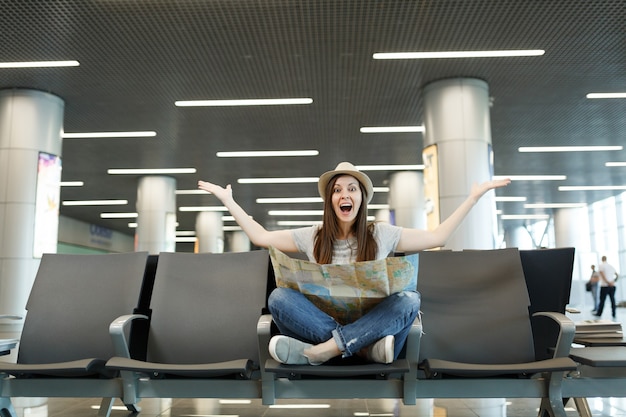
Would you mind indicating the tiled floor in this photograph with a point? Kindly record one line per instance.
(56, 407)
(60, 407)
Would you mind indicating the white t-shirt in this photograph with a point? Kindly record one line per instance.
(386, 235)
(609, 273)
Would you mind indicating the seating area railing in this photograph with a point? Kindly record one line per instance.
(134, 326)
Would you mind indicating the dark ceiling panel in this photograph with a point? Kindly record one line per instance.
(138, 58)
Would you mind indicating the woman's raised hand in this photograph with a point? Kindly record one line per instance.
(220, 192)
(478, 190)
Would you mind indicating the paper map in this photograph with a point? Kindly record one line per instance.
(347, 291)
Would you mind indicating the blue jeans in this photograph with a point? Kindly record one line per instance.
(297, 317)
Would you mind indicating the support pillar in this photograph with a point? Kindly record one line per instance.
(406, 199)
(457, 124)
(239, 242)
(210, 232)
(571, 229)
(156, 209)
(31, 123)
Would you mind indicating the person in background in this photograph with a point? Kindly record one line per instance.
(310, 336)
(594, 286)
(608, 277)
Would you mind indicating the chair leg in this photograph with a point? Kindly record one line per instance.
(6, 408)
(583, 407)
(105, 407)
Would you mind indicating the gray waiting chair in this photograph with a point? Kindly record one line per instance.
(477, 340)
(202, 337)
(65, 341)
(352, 378)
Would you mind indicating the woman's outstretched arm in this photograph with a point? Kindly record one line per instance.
(280, 239)
(412, 240)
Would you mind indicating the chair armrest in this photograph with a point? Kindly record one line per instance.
(118, 330)
(264, 335)
(567, 330)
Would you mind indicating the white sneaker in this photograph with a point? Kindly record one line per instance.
(382, 351)
(288, 350)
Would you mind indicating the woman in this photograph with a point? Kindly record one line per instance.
(310, 336)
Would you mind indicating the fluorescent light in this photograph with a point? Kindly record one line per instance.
(592, 187)
(95, 203)
(381, 189)
(378, 206)
(606, 95)
(72, 183)
(525, 216)
(392, 129)
(459, 54)
(231, 228)
(203, 208)
(554, 205)
(132, 225)
(531, 177)
(615, 164)
(89, 135)
(277, 180)
(119, 215)
(251, 154)
(295, 212)
(288, 200)
(390, 167)
(185, 239)
(186, 192)
(142, 171)
(509, 199)
(298, 222)
(185, 233)
(39, 64)
(245, 102)
(569, 148)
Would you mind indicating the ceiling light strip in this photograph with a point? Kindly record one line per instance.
(277, 180)
(606, 95)
(295, 212)
(39, 64)
(154, 171)
(72, 183)
(615, 164)
(391, 129)
(91, 135)
(390, 167)
(289, 200)
(592, 187)
(94, 202)
(459, 54)
(531, 177)
(554, 205)
(244, 102)
(504, 199)
(525, 216)
(569, 148)
(119, 215)
(203, 208)
(252, 154)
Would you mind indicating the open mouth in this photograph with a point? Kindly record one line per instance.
(345, 208)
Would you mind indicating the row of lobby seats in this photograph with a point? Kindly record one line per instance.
(182, 325)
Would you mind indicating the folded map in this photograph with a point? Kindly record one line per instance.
(348, 291)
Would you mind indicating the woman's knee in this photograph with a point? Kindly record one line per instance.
(408, 301)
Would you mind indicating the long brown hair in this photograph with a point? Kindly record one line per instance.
(328, 233)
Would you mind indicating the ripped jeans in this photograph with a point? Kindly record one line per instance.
(297, 317)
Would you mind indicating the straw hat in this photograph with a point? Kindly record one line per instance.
(346, 168)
